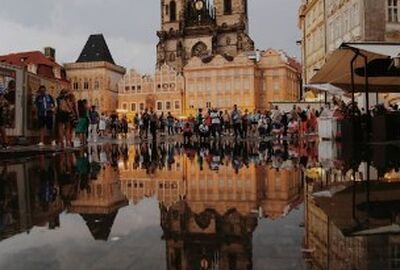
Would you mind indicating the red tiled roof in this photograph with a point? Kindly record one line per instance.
(28, 58)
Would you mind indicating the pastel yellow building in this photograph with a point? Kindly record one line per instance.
(312, 26)
(95, 76)
(162, 91)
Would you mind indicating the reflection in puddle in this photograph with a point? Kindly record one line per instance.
(168, 206)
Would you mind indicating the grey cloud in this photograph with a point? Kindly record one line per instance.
(129, 26)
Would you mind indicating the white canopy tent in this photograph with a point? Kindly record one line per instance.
(326, 87)
(338, 71)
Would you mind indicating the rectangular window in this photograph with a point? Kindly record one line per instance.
(141, 107)
(126, 88)
(76, 86)
(168, 105)
(133, 107)
(133, 88)
(177, 105)
(208, 105)
(86, 85)
(124, 106)
(96, 85)
(159, 105)
(393, 11)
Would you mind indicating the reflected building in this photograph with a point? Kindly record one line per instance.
(99, 200)
(28, 198)
(153, 171)
(207, 240)
(355, 228)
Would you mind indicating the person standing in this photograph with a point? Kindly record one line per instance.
(245, 124)
(199, 121)
(4, 119)
(146, 123)
(102, 125)
(153, 119)
(94, 119)
(81, 128)
(227, 122)
(124, 126)
(162, 124)
(170, 124)
(64, 113)
(236, 121)
(45, 106)
(215, 123)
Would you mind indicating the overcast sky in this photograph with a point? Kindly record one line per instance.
(129, 27)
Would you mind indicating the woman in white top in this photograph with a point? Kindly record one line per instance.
(102, 125)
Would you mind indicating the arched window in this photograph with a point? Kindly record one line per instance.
(172, 11)
(227, 7)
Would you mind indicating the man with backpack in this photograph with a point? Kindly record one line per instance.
(45, 106)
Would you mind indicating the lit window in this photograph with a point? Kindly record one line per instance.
(393, 11)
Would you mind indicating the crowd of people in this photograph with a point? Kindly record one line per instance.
(71, 122)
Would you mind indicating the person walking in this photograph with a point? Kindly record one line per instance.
(236, 121)
(45, 106)
(94, 119)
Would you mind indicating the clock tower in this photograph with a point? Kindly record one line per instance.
(201, 28)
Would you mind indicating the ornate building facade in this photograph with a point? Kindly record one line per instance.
(95, 76)
(326, 24)
(251, 84)
(213, 63)
(202, 28)
(162, 91)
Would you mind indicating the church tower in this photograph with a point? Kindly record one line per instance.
(201, 28)
(233, 27)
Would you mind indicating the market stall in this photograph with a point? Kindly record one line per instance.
(364, 68)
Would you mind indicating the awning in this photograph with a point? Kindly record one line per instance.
(383, 76)
(326, 87)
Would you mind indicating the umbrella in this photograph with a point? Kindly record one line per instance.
(337, 70)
